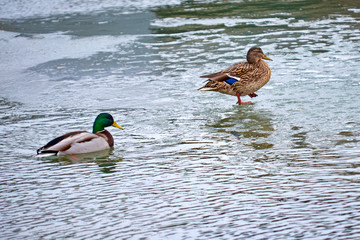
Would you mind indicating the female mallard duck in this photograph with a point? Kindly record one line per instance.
(241, 79)
(81, 141)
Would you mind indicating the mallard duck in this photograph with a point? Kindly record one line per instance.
(79, 142)
(241, 79)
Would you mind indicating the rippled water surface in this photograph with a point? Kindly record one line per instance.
(189, 164)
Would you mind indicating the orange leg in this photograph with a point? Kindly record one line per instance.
(253, 95)
(239, 100)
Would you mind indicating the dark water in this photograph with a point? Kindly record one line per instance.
(189, 165)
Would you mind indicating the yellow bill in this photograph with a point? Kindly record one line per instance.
(267, 58)
(117, 125)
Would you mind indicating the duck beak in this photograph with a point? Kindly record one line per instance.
(265, 57)
(117, 125)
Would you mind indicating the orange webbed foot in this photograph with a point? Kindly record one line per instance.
(240, 102)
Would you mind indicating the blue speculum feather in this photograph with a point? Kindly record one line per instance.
(231, 81)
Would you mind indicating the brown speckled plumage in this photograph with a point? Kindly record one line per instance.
(251, 75)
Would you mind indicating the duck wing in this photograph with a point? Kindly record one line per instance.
(218, 77)
(87, 144)
(240, 70)
(74, 143)
(237, 71)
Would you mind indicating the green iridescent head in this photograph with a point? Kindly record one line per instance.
(102, 121)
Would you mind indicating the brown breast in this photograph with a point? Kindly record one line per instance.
(108, 137)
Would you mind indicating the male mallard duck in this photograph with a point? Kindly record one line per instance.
(241, 79)
(82, 141)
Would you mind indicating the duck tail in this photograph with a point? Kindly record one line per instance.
(46, 153)
(209, 86)
(204, 88)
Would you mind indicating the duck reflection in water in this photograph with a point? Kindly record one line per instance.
(102, 158)
(247, 123)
